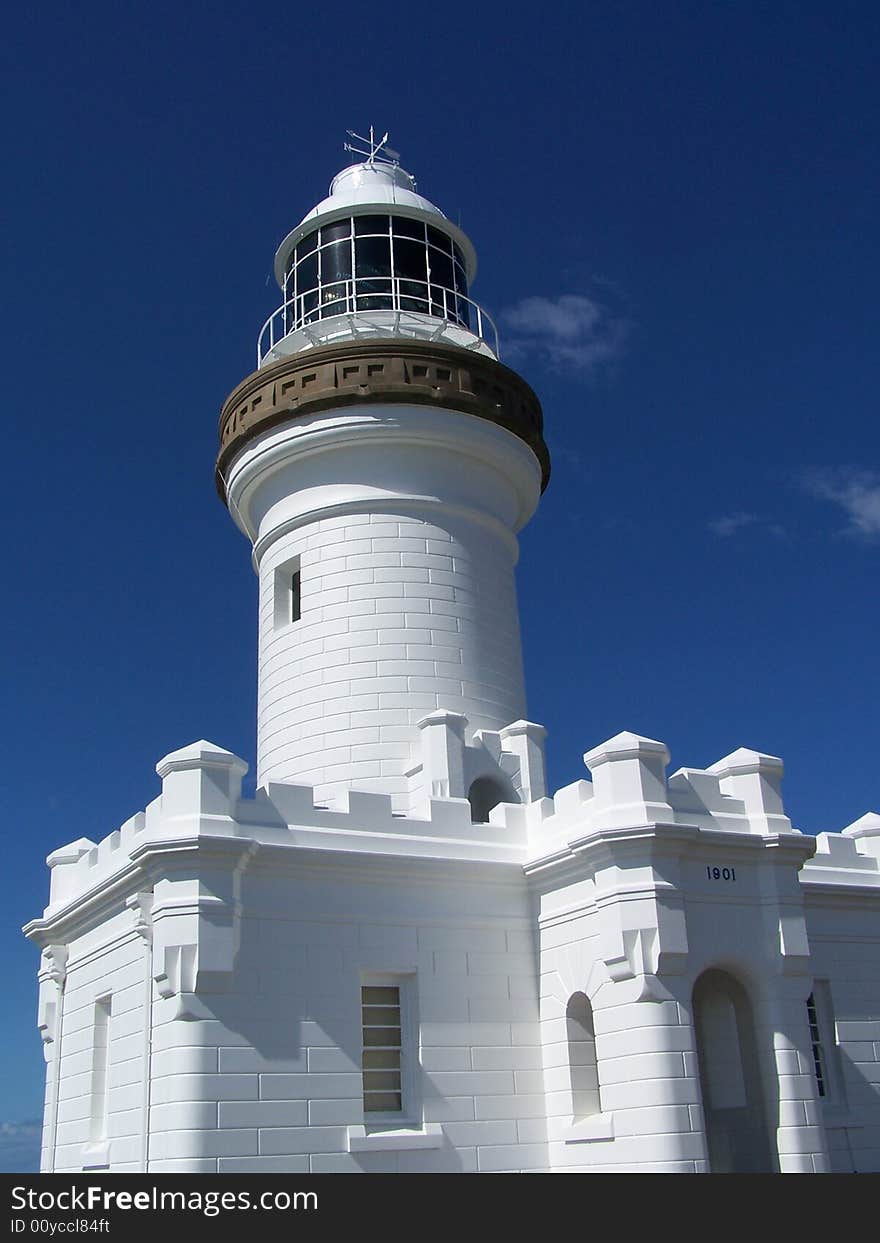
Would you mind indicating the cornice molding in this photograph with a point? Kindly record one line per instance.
(353, 373)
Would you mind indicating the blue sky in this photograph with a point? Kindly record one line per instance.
(674, 208)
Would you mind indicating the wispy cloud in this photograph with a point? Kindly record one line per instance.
(730, 524)
(856, 492)
(571, 332)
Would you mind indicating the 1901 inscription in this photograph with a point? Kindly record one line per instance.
(720, 873)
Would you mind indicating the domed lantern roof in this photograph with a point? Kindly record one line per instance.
(375, 259)
(362, 188)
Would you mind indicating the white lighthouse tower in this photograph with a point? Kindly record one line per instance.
(401, 954)
(381, 459)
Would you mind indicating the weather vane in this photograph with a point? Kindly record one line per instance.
(374, 148)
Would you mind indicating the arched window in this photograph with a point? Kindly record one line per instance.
(730, 1077)
(483, 795)
(582, 1066)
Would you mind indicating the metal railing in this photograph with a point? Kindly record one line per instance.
(376, 293)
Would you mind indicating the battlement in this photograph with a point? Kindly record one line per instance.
(201, 802)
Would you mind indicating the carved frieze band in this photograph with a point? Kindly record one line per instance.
(416, 372)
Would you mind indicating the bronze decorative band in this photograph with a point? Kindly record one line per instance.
(353, 373)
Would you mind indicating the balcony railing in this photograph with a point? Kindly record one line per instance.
(398, 295)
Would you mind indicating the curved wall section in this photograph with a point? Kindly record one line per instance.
(384, 539)
(402, 612)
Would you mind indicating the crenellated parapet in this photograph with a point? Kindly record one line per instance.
(200, 825)
(512, 759)
(851, 857)
(631, 847)
(739, 796)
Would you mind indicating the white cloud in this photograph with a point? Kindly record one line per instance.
(857, 492)
(570, 333)
(730, 524)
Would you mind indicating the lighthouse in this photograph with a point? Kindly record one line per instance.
(381, 459)
(403, 952)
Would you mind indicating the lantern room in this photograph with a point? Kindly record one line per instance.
(375, 259)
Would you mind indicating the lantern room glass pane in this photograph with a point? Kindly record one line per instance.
(307, 307)
(336, 231)
(371, 224)
(373, 294)
(373, 256)
(462, 312)
(334, 299)
(441, 268)
(307, 273)
(414, 297)
(436, 238)
(403, 227)
(335, 278)
(306, 245)
(373, 270)
(441, 302)
(410, 259)
(335, 262)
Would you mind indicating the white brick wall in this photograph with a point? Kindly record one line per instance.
(404, 521)
(270, 1080)
(845, 944)
(389, 632)
(117, 969)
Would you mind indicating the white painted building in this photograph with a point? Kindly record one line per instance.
(404, 953)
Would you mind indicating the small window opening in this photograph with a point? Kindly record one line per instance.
(824, 1045)
(100, 1056)
(288, 594)
(816, 1047)
(382, 1049)
(295, 599)
(583, 1067)
(483, 795)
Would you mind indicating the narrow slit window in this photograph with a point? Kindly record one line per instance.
(382, 1049)
(816, 1047)
(287, 593)
(295, 596)
(100, 1058)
